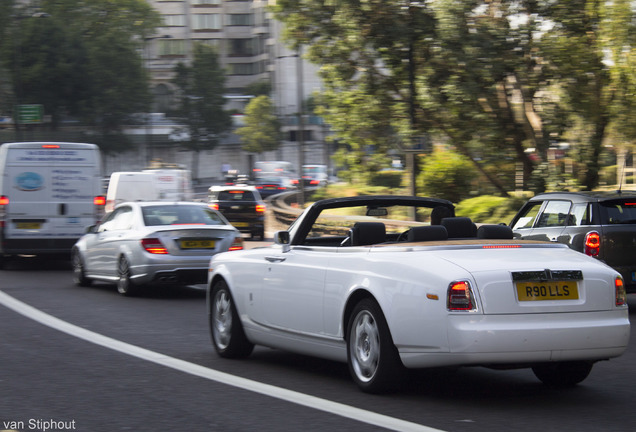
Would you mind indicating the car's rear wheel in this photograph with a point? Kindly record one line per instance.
(228, 337)
(374, 362)
(563, 374)
(79, 272)
(125, 286)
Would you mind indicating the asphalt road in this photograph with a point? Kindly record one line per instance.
(93, 361)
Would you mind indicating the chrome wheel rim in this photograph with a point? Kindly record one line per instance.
(365, 346)
(123, 281)
(78, 268)
(222, 319)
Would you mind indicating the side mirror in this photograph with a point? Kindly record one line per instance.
(282, 238)
(91, 229)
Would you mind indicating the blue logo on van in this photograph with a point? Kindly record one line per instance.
(29, 181)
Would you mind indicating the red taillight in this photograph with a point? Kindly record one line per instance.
(259, 187)
(260, 208)
(99, 200)
(153, 246)
(4, 200)
(213, 206)
(50, 146)
(460, 296)
(237, 244)
(294, 182)
(592, 243)
(281, 188)
(314, 182)
(621, 294)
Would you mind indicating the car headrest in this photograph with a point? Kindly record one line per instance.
(494, 232)
(427, 233)
(368, 233)
(459, 227)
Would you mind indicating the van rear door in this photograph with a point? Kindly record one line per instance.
(51, 189)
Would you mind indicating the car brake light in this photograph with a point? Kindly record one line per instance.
(460, 296)
(213, 206)
(50, 146)
(153, 246)
(294, 181)
(4, 200)
(99, 200)
(237, 244)
(621, 294)
(592, 243)
(260, 208)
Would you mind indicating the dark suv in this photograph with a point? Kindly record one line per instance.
(599, 224)
(242, 206)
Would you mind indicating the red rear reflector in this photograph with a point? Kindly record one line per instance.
(99, 200)
(592, 243)
(4, 200)
(50, 146)
(153, 246)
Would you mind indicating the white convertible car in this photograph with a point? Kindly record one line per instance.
(353, 280)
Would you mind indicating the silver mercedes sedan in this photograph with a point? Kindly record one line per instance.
(144, 244)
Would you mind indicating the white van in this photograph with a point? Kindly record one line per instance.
(173, 184)
(130, 186)
(49, 193)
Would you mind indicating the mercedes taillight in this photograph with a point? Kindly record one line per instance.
(592, 244)
(237, 244)
(460, 297)
(154, 246)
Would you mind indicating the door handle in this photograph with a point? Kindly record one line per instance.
(273, 259)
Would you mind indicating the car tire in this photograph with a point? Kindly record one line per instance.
(373, 359)
(563, 374)
(79, 271)
(227, 333)
(125, 286)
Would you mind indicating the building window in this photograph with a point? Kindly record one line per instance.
(293, 135)
(239, 20)
(172, 47)
(174, 20)
(241, 47)
(207, 22)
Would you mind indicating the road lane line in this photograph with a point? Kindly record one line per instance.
(325, 405)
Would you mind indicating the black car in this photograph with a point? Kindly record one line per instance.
(243, 206)
(599, 224)
(268, 186)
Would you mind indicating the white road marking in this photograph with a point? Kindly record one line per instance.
(342, 410)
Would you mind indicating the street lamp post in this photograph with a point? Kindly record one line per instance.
(147, 155)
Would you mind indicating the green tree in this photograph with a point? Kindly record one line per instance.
(201, 101)
(262, 128)
(446, 174)
(81, 59)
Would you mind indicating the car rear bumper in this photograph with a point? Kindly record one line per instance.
(37, 246)
(523, 339)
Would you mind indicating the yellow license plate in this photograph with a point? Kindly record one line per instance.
(28, 225)
(240, 224)
(549, 290)
(197, 244)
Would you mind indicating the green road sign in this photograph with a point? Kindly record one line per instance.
(30, 114)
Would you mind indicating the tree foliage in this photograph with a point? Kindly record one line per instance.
(262, 128)
(201, 101)
(81, 59)
(495, 79)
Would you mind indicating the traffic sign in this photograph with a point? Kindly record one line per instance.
(30, 114)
